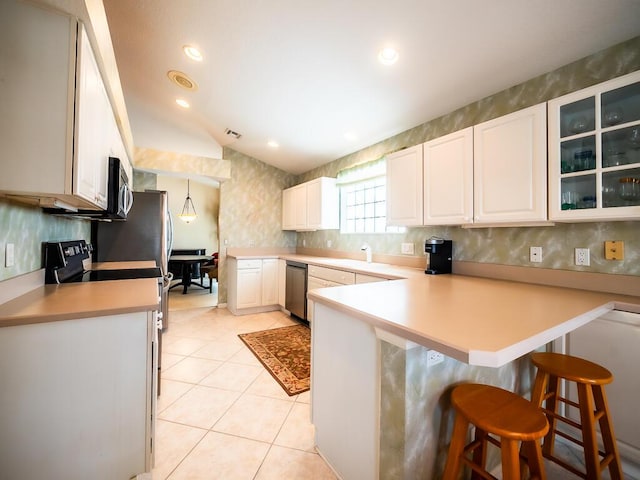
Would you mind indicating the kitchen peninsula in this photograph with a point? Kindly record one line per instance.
(379, 402)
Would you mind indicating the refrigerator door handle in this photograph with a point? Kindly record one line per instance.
(170, 232)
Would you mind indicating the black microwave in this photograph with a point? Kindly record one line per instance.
(119, 197)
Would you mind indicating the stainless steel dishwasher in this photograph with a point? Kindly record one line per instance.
(296, 289)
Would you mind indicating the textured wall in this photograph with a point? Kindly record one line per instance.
(27, 227)
(251, 208)
(504, 245)
(416, 419)
(203, 231)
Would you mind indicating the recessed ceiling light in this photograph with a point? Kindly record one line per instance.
(273, 144)
(388, 56)
(182, 102)
(192, 52)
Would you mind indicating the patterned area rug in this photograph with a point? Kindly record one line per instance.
(286, 354)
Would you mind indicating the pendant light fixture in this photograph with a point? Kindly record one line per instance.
(188, 210)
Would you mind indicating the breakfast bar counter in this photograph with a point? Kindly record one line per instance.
(380, 385)
(477, 321)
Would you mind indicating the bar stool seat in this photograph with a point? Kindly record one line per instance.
(590, 379)
(495, 412)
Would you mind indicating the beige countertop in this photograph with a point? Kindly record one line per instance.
(69, 301)
(123, 265)
(476, 320)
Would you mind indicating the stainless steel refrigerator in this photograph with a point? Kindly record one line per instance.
(147, 234)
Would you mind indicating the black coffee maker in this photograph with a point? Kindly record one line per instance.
(439, 253)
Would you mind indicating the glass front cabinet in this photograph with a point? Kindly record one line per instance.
(594, 152)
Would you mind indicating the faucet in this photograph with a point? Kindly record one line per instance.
(367, 249)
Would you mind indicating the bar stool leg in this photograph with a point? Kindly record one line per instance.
(510, 459)
(606, 430)
(480, 453)
(533, 452)
(458, 440)
(588, 421)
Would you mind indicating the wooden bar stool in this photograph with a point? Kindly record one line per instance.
(495, 413)
(590, 379)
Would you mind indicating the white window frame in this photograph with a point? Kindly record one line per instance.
(363, 197)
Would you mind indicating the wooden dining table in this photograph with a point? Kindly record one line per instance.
(187, 262)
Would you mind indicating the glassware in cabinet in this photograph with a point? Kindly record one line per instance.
(578, 117)
(594, 152)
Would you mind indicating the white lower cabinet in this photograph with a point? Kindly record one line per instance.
(323, 277)
(612, 341)
(252, 285)
(364, 278)
(78, 398)
(269, 281)
(282, 282)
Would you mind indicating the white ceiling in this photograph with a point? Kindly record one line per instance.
(304, 73)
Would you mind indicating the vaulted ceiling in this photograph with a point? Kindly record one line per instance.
(306, 74)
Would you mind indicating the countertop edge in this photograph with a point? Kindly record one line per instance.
(51, 303)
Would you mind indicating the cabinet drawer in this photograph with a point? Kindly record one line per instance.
(314, 282)
(364, 278)
(244, 264)
(333, 275)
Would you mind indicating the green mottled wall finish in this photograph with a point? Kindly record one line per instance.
(508, 246)
(416, 418)
(251, 208)
(144, 181)
(27, 227)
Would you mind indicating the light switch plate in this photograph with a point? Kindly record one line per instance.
(613, 250)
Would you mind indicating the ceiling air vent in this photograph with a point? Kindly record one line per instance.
(182, 80)
(232, 134)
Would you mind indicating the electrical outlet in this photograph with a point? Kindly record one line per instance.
(582, 257)
(434, 357)
(535, 254)
(329, 243)
(407, 248)
(9, 255)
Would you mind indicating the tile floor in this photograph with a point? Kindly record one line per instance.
(221, 415)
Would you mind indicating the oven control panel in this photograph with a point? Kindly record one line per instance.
(62, 260)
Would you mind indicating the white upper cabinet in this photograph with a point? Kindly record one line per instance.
(594, 152)
(312, 205)
(404, 187)
(93, 128)
(510, 168)
(448, 179)
(57, 120)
